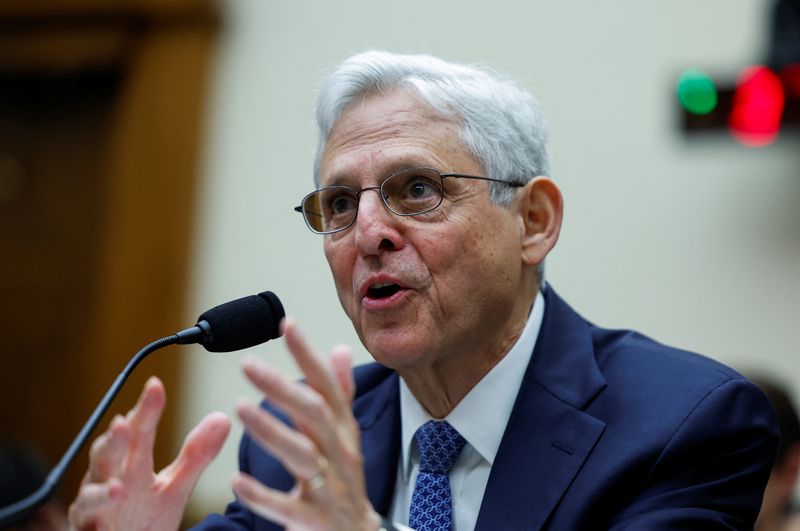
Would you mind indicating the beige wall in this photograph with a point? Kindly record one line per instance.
(696, 243)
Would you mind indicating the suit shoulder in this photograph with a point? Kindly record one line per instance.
(621, 354)
(661, 386)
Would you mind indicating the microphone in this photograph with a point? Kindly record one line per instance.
(235, 325)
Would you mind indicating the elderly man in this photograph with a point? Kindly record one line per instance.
(492, 405)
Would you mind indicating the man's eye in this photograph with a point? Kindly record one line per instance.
(341, 204)
(418, 188)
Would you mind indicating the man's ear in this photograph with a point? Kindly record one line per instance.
(541, 208)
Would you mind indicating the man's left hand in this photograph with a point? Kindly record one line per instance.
(323, 451)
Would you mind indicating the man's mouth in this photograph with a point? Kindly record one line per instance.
(382, 290)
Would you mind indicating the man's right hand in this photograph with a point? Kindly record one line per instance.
(122, 491)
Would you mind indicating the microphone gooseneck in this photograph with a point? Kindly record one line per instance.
(235, 325)
(19, 511)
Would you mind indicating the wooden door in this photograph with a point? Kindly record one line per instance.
(101, 107)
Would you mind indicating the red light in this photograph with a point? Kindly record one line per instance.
(755, 118)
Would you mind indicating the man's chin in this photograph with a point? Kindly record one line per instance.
(395, 352)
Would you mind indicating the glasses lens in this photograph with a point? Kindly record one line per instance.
(413, 191)
(330, 209)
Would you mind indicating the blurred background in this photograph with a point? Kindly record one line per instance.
(151, 153)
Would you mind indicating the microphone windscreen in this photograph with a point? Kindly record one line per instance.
(243, 323)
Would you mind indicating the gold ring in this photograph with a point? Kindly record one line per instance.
(320, 477)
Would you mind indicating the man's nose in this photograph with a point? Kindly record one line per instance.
(376, 228)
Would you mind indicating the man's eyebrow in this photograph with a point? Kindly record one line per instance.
(347, 179)
(339, 180)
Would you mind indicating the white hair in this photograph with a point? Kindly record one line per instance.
(500, 124)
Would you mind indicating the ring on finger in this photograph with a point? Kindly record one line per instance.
(320, 477)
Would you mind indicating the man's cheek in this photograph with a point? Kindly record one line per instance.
(347, 298)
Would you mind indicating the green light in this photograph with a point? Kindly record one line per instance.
(696, 92)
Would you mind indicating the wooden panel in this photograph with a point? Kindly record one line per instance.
(99, 133)
(153, 164)
(53, 137)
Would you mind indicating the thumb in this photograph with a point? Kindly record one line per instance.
(200, 447)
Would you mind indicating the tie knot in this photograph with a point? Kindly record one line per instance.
(439, 445)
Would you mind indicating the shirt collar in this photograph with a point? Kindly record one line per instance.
(482, 415)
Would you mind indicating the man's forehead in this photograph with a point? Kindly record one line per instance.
(387, 132)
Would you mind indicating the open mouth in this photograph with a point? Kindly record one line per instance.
(382, 291)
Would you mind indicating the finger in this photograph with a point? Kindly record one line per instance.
(143, 419)
(107, 455)
(342, 362)
(273, 505)
(93, 500)
(307, 408)
(294, 450)
(199, 448)
(318, 373)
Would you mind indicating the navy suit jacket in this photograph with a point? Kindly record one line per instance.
(610, 430)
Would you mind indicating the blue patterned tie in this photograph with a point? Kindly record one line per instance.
(431, 507)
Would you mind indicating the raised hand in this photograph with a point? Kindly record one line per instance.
(323, 453)
(121, 489)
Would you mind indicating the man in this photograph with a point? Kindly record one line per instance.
(492, 404)
(777, 511)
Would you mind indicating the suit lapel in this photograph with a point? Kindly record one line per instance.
(548, 437)
(378, 414)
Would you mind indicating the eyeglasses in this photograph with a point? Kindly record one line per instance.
(406, 193)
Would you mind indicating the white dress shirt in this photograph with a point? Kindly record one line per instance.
(480, 418)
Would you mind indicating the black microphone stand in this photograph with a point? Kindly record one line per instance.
(19, 511)
(238, 324)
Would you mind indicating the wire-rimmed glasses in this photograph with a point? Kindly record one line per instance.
(409, 192)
